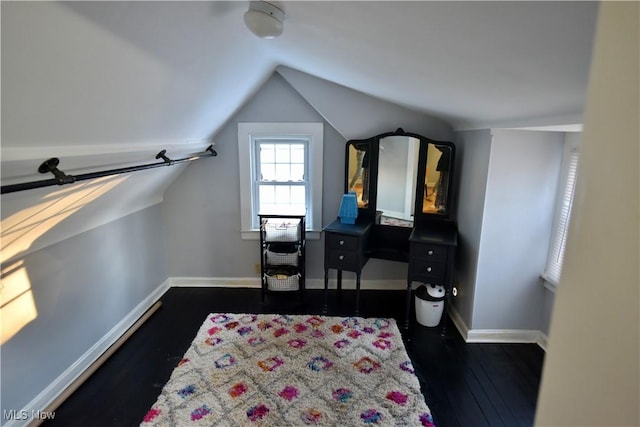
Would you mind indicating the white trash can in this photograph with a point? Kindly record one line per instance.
(429, 304)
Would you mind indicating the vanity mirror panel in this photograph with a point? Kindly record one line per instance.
(400, 177)
(396, 179)
(358, 170)
(436, 194)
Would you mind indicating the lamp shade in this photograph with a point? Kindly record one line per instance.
(348, 211)
(264, 19)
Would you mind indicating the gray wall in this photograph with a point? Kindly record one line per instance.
(82, 287)
(508, 181)
(473, 149)
(521, 193)
(202, 207)
(355, 115)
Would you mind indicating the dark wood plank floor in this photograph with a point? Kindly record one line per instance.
(463, 384)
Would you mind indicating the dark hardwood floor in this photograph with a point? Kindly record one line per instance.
(466, 385)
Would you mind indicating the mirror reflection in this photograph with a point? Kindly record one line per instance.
(397, 178)
(436, 185)
(358, 172)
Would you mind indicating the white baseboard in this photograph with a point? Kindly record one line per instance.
(214, 282)
(508, 336)
(458, 322)
(60, 384)
(254, 282)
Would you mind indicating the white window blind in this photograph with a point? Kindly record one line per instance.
(563, 216)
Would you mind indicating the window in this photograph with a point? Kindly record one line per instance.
(280, 176)
(562, 215)
(280, 172)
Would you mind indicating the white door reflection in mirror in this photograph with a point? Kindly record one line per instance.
(436, 185)
(397, 176)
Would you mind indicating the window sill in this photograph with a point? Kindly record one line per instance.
(549, 284)
(255, 235)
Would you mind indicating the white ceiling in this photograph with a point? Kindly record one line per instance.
(124, 73)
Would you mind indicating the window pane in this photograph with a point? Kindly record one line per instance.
(267, 153)
(268, 172)
(267, 194)
(282, 153)
(297, 172)
(283, 172)
(283, 194)
(281, 198)
(297, 195)
(297, 153)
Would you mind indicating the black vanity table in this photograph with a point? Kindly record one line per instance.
(403, 183)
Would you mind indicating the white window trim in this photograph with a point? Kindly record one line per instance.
(561, 222)
(314, 132)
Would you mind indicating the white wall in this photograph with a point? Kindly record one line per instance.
(591, 372)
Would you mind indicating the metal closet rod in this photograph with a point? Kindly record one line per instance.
(62, 178)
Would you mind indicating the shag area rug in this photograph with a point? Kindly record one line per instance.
(285, 370)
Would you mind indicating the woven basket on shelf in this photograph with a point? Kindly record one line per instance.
(281, 281)
(279, 230)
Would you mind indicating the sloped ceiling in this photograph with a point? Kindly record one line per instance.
(122, 73)
(100, 84)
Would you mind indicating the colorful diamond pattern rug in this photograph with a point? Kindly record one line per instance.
(286, 370)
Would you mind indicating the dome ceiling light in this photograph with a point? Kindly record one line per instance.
(264, 19)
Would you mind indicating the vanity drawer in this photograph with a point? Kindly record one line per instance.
(426, 251)
(426, 270)
(343, 260)
(341, 242)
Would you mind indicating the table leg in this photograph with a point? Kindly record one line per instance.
(357, 293)
(446, 302)
(325, 308)
(407, 308)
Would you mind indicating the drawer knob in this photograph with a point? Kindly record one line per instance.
(430, 252)
(429, 269)
(341, 242)
(341, 257)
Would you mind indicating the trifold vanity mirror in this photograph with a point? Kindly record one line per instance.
(404, 188)
(399, 178)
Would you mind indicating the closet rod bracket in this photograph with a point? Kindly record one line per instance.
(211, 150)
(163, 155)
(51, 165)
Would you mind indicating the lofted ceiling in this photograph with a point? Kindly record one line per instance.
(101, 83)
(143, 73)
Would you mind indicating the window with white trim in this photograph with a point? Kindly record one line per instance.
(280, 168)
(564, 205)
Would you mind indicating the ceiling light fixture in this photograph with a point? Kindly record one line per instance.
(264, 19)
